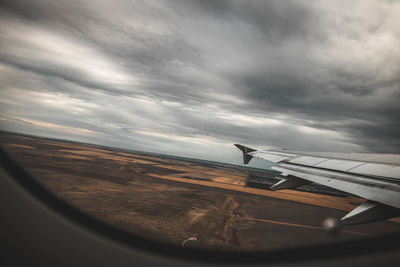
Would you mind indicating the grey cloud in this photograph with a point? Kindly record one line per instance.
(298, 62)
(278, 21)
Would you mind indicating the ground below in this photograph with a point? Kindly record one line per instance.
(170, 199)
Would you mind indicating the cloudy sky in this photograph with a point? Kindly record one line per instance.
(191, 78)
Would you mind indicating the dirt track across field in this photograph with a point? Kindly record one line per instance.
(171, 199)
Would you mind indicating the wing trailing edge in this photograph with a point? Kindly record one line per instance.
(369, 211)
(289, 182)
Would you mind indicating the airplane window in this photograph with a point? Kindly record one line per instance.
(129, 112)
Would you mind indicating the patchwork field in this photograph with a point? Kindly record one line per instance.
(172, 199)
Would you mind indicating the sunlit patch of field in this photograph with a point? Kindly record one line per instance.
(76, 157)
(8, 145)
(99, 154)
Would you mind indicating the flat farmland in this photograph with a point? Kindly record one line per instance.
(171, 199)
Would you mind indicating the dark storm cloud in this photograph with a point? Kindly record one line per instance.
(192, 77)
(278, 21)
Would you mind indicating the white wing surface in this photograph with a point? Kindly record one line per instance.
(375, 177)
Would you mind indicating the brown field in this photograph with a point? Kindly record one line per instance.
(171, 200)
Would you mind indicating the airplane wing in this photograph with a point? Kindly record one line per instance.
(375, 177)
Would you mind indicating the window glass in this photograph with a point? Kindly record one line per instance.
(129, 111)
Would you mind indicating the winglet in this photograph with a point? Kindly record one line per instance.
(245, 150)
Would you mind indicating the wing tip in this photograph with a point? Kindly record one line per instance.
(245, 150)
